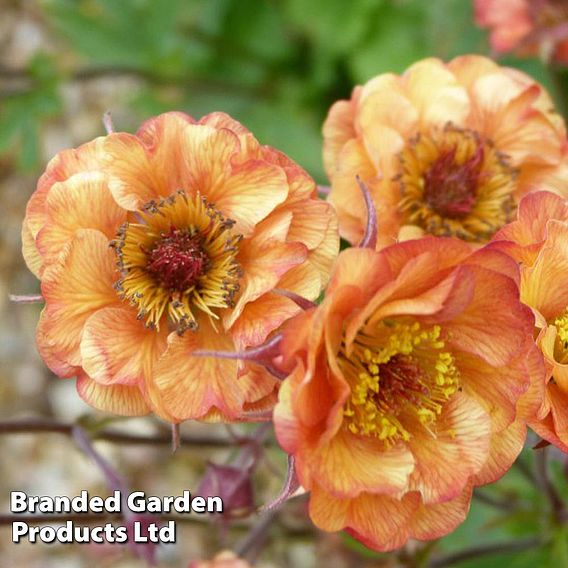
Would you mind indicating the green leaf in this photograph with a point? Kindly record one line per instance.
(396, 43)
(258, 28)
(29, 151)
(335, 26)
(290, 129)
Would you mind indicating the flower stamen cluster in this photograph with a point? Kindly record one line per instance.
(180, 257)
(397, 373)
(453, 183)
(561, 324)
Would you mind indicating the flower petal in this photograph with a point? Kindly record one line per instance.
(189, 387)
(499, 342)
(346, 196)
(29, 250)
(528, 233)
(433, 521)
(78, 284)
(497, 389)
(249, 194)
(264, 259)
(506, 445)
(83, 201)
(123, 400)
(445, 465)
(436, 93)
(381, 522)
(338, 129)
(268, 312)
(539, 283)
(348, 465)
(117, 348)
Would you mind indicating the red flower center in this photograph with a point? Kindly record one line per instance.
(450, 188)
(397, 372)
(177, 260)
(402, 382)
(454, 183)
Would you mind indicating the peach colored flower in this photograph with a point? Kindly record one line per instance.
(526, 27)
(538, 240)
(445, 149)
(407, 388)
(153, 245)
(224, 559)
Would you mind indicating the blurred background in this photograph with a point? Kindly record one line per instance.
(277, 66)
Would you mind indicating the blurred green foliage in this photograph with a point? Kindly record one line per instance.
(276, 65)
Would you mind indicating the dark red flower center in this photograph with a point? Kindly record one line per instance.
(450, 187)
(177, 260)
(402, 382)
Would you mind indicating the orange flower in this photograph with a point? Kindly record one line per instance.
(203, 224)
(538, 240)
(527, 27)
(445, 149)
(224, 559)
(406, 388)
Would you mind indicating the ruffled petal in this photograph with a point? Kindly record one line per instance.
(83, 201)
(267, 313)
(249, 194)
(506, 446)
(433, 521)
(29, 250)
(348, 465)
(436, 93)
(501, 341)
(363, 268)
(497, 389)
(75, 287)
(539, 283)
(123, 400)
(379, 521)
(117, 348)
(444, 465)
(338, 129)
(264, 259)
(346, 196)
(525, 236)
(188, 387)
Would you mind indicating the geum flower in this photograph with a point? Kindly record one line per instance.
(153, 245)
(538, 240)
(526, 27)
(407, 387)
(445, 149)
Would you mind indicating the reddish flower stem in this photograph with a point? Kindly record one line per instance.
(26, 298)
(300, 301)
(40, 425)
(107, 122)
(175, 438)
(546, 486)
(371, 231)
(262, 355)
(251, 545)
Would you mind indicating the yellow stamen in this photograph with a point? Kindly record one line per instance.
(399, 374)
(453, 183)
(180, 258)
(561, 347)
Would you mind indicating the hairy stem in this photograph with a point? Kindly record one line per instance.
(40, 425)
